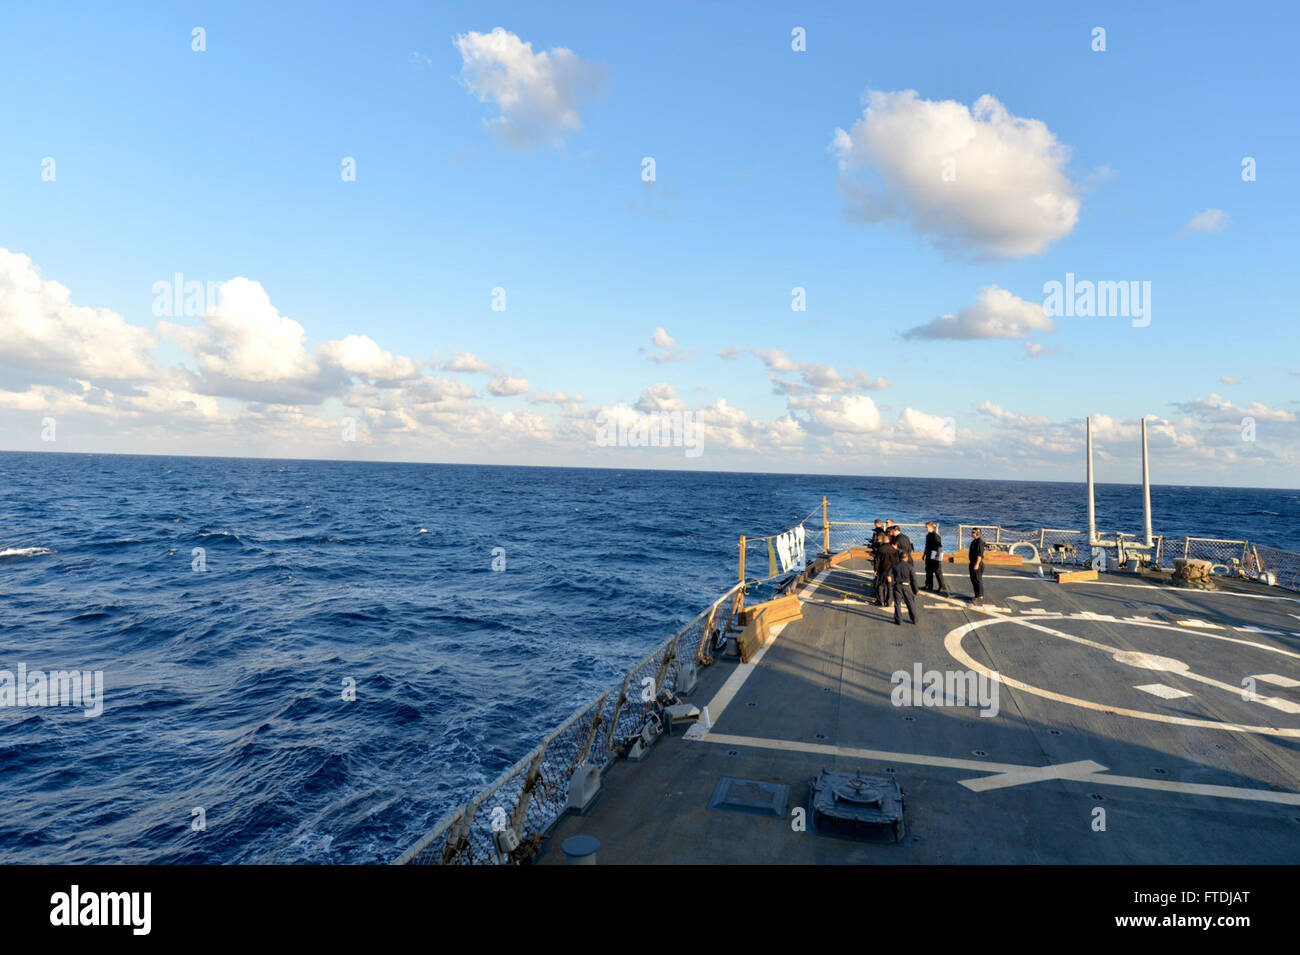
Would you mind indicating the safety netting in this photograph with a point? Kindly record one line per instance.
(505, 823)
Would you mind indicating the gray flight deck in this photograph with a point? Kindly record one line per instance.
(1123, 694)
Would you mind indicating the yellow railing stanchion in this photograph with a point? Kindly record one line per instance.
(826, 529)
(742, 574)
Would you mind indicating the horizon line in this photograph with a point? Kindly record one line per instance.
(569, 467)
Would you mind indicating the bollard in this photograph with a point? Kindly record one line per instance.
(580, 850)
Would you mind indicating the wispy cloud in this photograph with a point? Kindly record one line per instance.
(1211, 220)
(814, 378)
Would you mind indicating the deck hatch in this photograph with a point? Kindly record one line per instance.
(862, 807)
(760, 796)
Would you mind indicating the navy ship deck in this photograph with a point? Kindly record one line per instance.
(1123, 694)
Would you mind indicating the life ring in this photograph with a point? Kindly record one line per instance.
(1030, 544)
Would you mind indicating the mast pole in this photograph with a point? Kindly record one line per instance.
(1146, 489)
(1092, 507)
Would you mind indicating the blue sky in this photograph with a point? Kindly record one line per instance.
(225, 163)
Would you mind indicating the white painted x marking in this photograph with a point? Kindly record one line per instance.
(1033, 774)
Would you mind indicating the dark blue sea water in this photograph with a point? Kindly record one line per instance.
(223, 688)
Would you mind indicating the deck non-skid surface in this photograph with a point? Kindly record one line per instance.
(1123, 695)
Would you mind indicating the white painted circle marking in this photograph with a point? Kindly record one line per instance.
(1150, 661)
(953, 644)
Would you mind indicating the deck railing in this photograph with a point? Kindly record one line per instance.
(846, 534)
(1282, 565)
(529, 798)
(1233, 558)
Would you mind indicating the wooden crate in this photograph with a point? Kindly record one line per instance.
(752, 638)
(759, 621)
(778, 611)
(1070, 576)
(999, 557)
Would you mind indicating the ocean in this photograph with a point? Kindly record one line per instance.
(310, 661)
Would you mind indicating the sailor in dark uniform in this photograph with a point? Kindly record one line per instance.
(903, 544)
(888, 557)
(903, 579)
(877, 538)
(976, 556)
(933, 558)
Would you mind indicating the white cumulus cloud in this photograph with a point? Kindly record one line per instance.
(42, 331)
(244, 337)
(667, 348)
(976, 179)
(996, 314)
(246, 349)
(660, 397)
(466, 362)
(850, 414)
(508, 385)
(1220, 409)
(537, 95)
(360, 355)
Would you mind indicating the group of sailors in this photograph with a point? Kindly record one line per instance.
(891, 555)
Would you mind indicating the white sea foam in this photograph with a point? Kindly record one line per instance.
(24, 551)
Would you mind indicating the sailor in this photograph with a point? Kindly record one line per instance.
(976, 557)
(877, 538)
(903, 544)
(933, 558)
(903, 580)
(888, 556)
